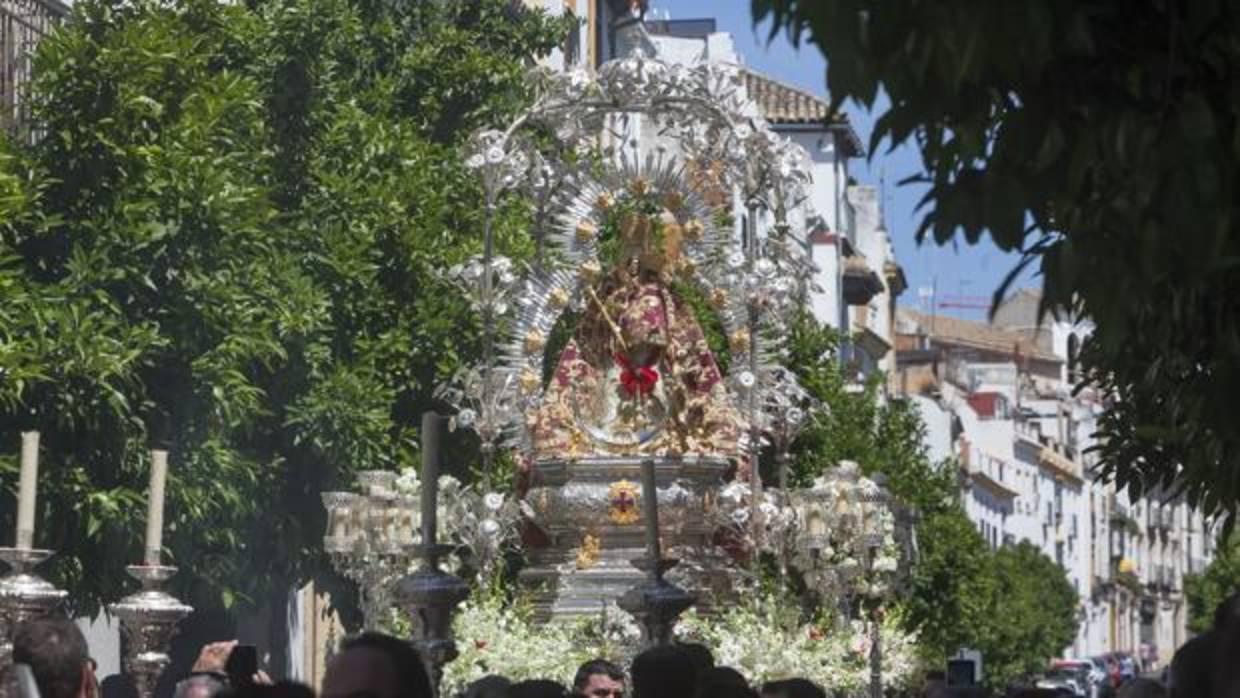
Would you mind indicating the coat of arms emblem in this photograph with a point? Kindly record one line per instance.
(622, 503)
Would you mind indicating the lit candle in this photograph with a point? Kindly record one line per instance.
(155, 508)
(650, 507)
(430, 476)
(27, 489)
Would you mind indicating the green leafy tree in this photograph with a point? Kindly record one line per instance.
(1034, 614)
(230, 240)
(1100, 140)
(1206, 591)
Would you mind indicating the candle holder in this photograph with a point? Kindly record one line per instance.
(430, 597)
(149, 619)
(366, 541)
(656, 603)
(23, 595)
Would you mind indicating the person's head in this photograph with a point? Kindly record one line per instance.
(491, 686)
(1142, 688)
(55, 650)
(1227, 612)
(723, 682)
(792, 688)
(374, 665)
(200, 686)
(599, 678)
(280, 689)
(1191, 666)
(1225, 676)
(536, 688)
(666, 671)
(699, 655)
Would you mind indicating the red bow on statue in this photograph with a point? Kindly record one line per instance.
(636, 381)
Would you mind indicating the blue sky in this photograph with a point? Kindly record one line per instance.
(956, 269)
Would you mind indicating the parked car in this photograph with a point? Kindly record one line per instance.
(1093, 675)
(1065, 679)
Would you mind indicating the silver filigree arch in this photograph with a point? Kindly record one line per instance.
(552, 151)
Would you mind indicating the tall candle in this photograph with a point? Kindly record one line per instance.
(155, 508)
(27, 489)
(430, 476)
(650, 507)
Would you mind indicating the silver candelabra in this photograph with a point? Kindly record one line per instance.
(368, 536)
(23, 595)
(149, 619)
(430, 595)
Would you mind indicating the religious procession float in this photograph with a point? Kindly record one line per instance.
(662, 203)
(637, 513)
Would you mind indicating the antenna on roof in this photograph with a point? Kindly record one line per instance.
(882, 198)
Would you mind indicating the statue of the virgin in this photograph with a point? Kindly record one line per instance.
(637, 376)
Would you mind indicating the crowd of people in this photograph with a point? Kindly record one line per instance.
(374, 665)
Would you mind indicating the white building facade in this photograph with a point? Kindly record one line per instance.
(1021, 438)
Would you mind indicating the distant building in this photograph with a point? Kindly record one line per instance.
(23, 23)
(998, 397)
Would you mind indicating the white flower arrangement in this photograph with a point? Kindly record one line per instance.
(764, 639)
(494, 637)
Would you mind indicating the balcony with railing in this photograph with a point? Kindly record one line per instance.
(22, 24)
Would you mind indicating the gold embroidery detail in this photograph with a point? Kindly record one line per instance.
(672, 201)
(739, 341)
(693, 230)
(529, 381)
(590, 270)
(534, 341)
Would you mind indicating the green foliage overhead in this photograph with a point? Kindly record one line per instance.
(1015, 605)
(1206, 591)
(230, 239)
(1099, 139)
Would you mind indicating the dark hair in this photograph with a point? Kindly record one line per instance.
(411, 678)
(1191, 666)
(1229, 609)
(55, 650)
(596, 666)
(536, 688)
(700, 655)
(793, 688)
(281, 689)
(723, 681)
(666, 671)
(489, 686)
